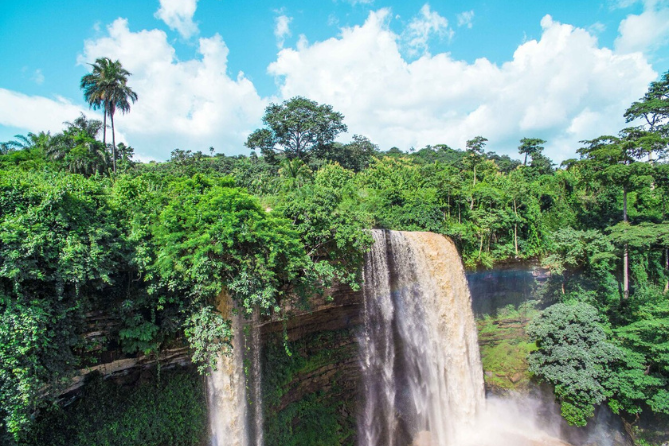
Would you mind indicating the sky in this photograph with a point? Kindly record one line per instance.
(404, 73)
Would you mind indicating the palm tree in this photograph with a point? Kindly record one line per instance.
(107, 87)
(78, 148)
(41, 140)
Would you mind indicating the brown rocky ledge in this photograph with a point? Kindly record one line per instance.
(339, 308)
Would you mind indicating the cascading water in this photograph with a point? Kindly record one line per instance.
(256, 380)
(226, 397)
(235, 416)
(422, 374)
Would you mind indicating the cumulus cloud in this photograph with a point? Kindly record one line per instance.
(422, 27)
(646, 31)
(178, 15)
(562, 87)
(190, 104)
(465, 18)
(37, 113)
(281, 29)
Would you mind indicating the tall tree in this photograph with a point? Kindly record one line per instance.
(653, 107)
(356, 155)
(531, 147)
(297, 128)
(475, 155)
(613, 160)
(107, 87)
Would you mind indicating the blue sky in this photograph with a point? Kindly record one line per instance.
(404, 74)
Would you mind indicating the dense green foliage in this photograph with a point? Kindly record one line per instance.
(573, 355)
(155, 251)
(156, 244)
(165, 409)
(60, 247)
(324, 417)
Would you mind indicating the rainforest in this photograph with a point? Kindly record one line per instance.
(136, 296)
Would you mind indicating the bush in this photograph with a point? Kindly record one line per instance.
(574, 356)
(167, 410)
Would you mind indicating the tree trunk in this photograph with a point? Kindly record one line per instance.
(471, 205)
(626, 279)
(515, 227)
(666, 267)
(448, 206)
(625, 205)
(525, 162)
(481, 246)
(113, 143)
(104, 129)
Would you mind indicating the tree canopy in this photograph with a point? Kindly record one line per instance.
(297, 128)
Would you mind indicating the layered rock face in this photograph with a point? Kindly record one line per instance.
(111, 362)
(339, 308)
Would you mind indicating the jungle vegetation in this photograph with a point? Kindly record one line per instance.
(84, 227)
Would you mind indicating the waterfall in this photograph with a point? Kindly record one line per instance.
(422, 376)
(256, 379)
(235, 417)
(227, 397)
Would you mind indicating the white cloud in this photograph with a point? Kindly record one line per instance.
(596, 28)
(422, 27)
(644, 32)
(333, 20)
(622, 4)
(562, 87)
(359, 2)
(178, 15)
(190, 104)
(37, 113)
(38, 77)
(465, 18)
(282, 29)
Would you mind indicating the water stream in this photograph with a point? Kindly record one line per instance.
(226, 396)
(422, 378)
(255, 380)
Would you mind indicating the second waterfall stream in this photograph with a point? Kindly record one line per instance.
(422, 378)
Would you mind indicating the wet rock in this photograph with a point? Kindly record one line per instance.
(516, 377)
(423, 438)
